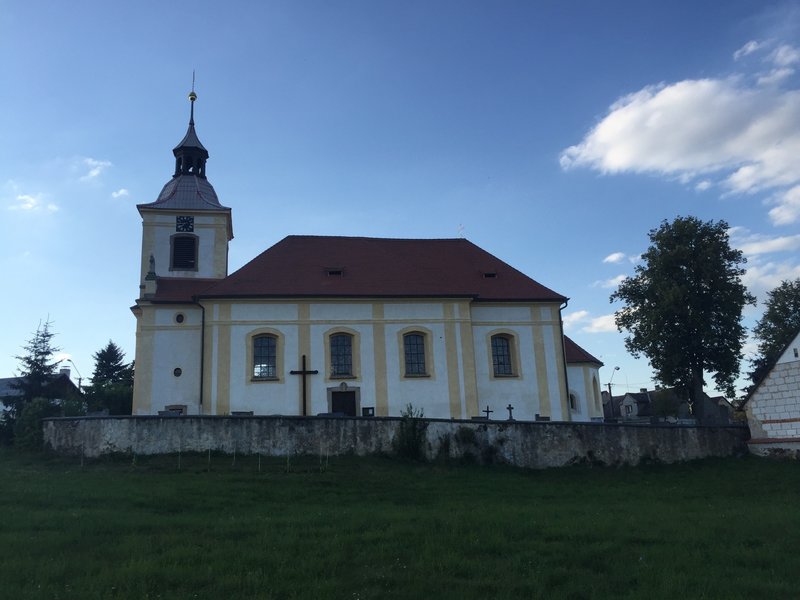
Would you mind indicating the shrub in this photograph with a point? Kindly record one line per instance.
(411, 435)
(28, 428)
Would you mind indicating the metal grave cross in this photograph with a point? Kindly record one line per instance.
(510, 410)
(487, 411)
(303, 371)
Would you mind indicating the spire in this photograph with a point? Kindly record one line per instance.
(190, 154)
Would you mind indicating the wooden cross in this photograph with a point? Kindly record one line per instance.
(303, 371)
(510, 410)
(487, 411)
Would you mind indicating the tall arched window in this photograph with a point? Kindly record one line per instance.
(341, 347)
(414, 353)
(501, 355)
(265, 357)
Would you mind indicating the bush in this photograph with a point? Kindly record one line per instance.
(411, 436)
(28, 428)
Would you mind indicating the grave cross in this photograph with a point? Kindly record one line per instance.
(510, 410)
(303, 371)
(487, 411)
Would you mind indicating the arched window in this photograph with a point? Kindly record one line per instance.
(414, 353)
(265, 357)
(501, 355)
(183, 253)
(341, 347)
(573, 402)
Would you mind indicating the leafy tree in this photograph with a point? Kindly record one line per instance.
(112, 381)
(777, 326)
(683, 307)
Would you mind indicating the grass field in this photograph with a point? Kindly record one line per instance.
(372, 528)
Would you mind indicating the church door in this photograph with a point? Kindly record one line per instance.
(344, 403)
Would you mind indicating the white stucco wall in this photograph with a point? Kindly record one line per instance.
(460, 382)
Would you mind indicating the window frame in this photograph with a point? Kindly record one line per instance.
(427, 347)
(513, 349)
(250, 366)
(355, 354)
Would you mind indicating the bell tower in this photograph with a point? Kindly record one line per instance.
(185, 232)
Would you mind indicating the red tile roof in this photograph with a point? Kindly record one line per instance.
(304, 266)
(576, 354)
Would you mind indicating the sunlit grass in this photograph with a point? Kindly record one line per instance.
(356, 528)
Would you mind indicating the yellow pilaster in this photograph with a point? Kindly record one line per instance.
(379, 358)
(451, 353)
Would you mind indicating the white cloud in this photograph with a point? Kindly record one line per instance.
(602, 324)
(31, 203)
(763, 276)
(703, 185)
(748, 48)
(768, 245)
(573, 318)
(616, 257)
(96, 168)
(785, 56)
(775, 76)
(120, 193)
(609, 283)
(746, 133)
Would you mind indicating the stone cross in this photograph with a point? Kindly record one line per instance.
(510, 410)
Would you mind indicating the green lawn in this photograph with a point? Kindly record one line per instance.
(373, 528)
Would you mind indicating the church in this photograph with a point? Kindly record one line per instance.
(352, 326)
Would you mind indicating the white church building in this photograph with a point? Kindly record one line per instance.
(341, 325)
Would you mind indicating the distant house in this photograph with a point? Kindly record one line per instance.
(61, 387)
(645, 404)
(773, 406)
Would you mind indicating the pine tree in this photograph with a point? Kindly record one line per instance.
(112, 381)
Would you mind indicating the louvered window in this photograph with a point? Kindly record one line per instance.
(184, 253)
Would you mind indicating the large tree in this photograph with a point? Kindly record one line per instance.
(777, 326)
(37, 368)
(683, 307)
(112, 381)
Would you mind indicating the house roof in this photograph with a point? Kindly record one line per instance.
(576, 354)
(316, 266)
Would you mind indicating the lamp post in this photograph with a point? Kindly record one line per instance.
(610, 395)
(80, 379)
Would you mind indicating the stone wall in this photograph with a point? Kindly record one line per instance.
(524, 444)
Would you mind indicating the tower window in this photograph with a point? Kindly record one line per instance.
(184, 253)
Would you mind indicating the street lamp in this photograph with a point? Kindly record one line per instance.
(80, 379)
(610, 395)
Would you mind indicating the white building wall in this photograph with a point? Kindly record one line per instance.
(773, 411)
(176, 346)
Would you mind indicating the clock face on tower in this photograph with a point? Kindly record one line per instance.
(184, 223)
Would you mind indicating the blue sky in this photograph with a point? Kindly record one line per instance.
(553, 134)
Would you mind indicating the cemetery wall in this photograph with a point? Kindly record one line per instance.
(523, 444)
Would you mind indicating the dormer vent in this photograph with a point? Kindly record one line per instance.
(490, 275)
(334, 272)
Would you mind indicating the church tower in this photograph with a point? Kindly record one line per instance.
(185, 232)
(185, 236)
